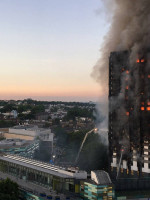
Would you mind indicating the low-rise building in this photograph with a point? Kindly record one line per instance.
(12, 114)
(48, 176)
(42, 116)
(32, 133)
(99, 187)
(28, 132)
(11, 142)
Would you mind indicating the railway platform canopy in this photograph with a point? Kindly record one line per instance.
(41, 173)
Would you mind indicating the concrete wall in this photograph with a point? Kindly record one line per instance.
(24, 137)
(23, 132)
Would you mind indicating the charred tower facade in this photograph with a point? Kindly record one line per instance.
(129, 117)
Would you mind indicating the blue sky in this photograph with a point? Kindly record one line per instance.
(48, 47)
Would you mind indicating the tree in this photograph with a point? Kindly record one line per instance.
(9, 190)
(8, 108)
(5, 124)
(94, 154)
(79, 112)
(56, 121)
(37, 109)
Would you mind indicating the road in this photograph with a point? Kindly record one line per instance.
(33, 188)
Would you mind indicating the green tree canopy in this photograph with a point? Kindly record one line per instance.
(9, 190)
(79, 112)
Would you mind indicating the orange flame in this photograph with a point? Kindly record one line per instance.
(127, 113)
(142, 60)
(142, 108)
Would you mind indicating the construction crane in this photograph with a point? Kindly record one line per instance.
(86, 135)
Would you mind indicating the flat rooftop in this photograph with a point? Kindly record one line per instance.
(23, 127)
(29, 127)
(43, 167)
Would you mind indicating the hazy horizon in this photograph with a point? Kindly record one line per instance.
(53, 98)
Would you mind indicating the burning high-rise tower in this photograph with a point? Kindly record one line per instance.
(129, 90)
(129, 119)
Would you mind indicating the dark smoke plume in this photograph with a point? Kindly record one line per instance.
(129, 30)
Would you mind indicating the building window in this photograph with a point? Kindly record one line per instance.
(142, 60)
(145, 147)
(132, 172)
(142, 108)
(127, 113)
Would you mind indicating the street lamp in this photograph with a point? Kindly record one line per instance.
(54, 158)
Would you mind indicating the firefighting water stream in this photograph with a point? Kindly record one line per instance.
(118, 169)
(84, 139)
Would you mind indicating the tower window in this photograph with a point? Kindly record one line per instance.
(127, 113)
(142, 60)
(142, 108)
